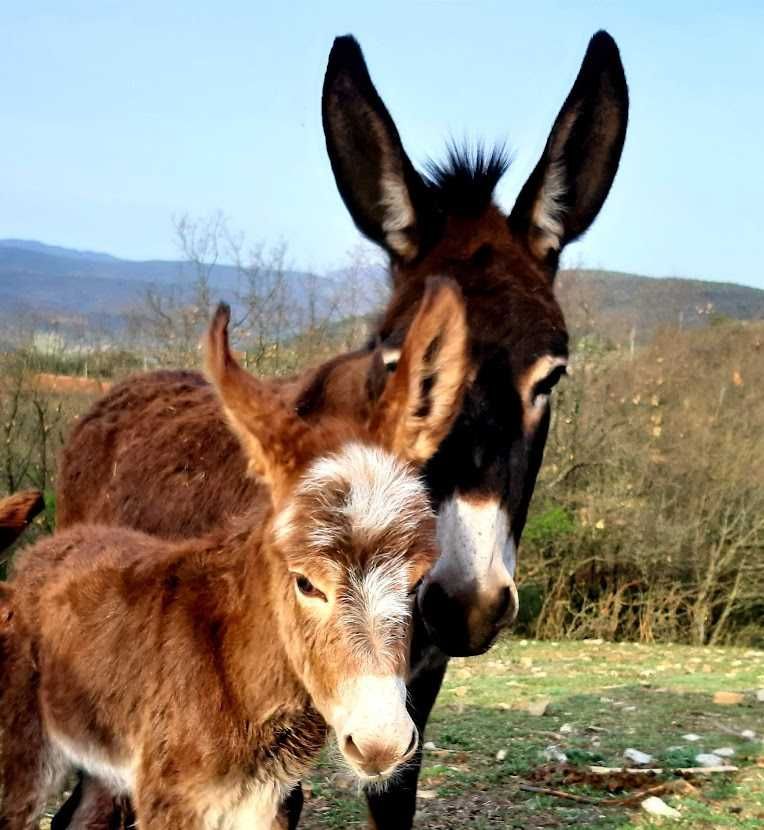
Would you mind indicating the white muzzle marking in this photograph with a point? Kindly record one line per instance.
(477, 551)
(372, 712)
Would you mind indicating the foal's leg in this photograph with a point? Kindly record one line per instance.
(92, 807)
(394, 808)
(290, 810)
(30, 773)
(31, 770)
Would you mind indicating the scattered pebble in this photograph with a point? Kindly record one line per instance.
(429, 746)
(760, 695)
(706, 759)
(641, 759)
(566, 728)
(538, 707)
(460, 691)
(554, 753)
(691, 737)
(731, 698)
(748, 734)
(658, 807)
(501, 754)
(427, 795)
(724, 752)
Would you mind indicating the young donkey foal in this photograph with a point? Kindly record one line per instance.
(200, 676)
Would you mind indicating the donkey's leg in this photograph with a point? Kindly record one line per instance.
(394, 808)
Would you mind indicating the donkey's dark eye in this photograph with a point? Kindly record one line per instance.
(545, 386)
(307, 588)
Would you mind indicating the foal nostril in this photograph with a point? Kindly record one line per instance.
(352, 750)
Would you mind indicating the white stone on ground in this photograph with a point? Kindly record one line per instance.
(707, 759)
(641, 759)
(658, 807)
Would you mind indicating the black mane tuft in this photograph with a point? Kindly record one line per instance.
(465, 182)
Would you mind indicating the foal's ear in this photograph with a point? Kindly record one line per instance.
(386, 197)
(424, 394)
(566, 189)
(16, 512)
(269, 432)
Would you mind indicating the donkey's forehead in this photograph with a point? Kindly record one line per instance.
(355, 504)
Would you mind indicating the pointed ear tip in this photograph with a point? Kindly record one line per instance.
(604, 50)
(221, 317)
(345, 49)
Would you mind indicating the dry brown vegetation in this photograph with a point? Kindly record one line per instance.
(648, 521)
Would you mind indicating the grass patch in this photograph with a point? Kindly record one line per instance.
(602, 699)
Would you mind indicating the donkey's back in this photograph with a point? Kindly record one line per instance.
(154, 454)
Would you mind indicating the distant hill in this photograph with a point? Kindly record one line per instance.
(612, 304)
(69, 288)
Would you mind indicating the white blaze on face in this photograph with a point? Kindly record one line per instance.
(376, 613)
(477, 551)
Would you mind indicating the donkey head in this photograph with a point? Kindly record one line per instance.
(446, 223)
(352, 530)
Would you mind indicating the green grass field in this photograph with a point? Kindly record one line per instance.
(602, 699)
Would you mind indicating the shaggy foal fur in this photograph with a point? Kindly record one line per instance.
(200, 676)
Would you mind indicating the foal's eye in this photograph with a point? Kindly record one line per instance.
(415, 586)
(307, 588)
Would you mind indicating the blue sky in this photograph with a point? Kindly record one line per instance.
(116, 116)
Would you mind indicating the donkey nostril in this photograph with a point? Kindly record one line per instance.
(352, 750)
(507, 605)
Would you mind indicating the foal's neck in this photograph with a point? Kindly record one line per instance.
(255, 654)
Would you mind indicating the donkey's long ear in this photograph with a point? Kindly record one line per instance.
(424, 394)
(566, 189)
(269, 432)
(16, 512)
(386, 197)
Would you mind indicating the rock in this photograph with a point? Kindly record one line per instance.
(554, 753)
(566, 728)
(748, 734)
(427, 795)
(501, 754)
(760, 695)
(730, 698)
(429, 746)
(658, 807)
(641, 759)
(538, 707)
(461, 691)
(724, 752)
(691, 737)
(706, 759)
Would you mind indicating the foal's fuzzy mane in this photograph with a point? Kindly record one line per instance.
(464, 183)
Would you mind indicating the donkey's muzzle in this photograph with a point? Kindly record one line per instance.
(467, 624)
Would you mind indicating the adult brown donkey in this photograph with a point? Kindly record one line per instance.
(200, 675)
(155, 453)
